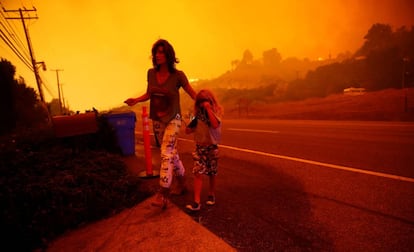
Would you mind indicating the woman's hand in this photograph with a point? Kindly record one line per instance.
(131, 101)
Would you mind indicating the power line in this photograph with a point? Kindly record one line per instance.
(14, 49)
(11, 31)
(34, 63)
(8, 37)
(13, 41)
(46, 85)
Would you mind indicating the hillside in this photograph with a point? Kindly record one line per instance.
(384, 105)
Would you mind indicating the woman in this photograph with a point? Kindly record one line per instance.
(163, 84)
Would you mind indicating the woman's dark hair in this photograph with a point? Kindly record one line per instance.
(169, 54)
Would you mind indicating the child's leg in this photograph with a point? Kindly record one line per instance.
(212, 171)
(198, 171)
(212, 185)
(198, 184)
(211, 200)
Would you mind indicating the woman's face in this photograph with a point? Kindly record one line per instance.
(160, 58)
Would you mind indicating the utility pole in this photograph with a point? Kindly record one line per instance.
(405, 60)
(34, 63)
(59, 88)
(63, 100)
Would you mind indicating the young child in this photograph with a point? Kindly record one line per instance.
(206, 126)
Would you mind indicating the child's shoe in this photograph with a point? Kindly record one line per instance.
(211, 200)
(194, 206)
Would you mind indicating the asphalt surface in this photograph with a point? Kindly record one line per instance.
(292, 186)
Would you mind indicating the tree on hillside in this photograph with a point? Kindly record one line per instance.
(7, 108)
(54, 107)
(384, 69)
(380, 67)
(379, 37)
(247, 57)
(19, 105)
(292, 68)
(234, 64)
(404, 38)
(30, 111)
(381, 62)
(271, 58)
(385, 53)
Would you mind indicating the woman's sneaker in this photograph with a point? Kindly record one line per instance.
(161, 198)
(193, 207)
(160, 201)
(211, 200)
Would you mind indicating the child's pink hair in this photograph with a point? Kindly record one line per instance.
(206, 94)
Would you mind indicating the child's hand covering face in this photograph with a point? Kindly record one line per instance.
(205, 104)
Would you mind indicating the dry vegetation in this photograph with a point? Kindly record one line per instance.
(384, 105)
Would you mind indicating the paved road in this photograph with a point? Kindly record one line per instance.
(312, 186)
(378, 146)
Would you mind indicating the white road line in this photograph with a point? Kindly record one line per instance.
(251, 130)
(332, 166)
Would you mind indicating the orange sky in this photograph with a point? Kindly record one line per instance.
(104, 46)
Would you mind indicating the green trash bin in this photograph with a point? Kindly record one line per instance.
(123, 124)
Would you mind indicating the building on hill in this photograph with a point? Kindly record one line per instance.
(354, 91)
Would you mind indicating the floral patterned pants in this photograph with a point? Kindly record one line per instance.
(205, 159)
(170, 160)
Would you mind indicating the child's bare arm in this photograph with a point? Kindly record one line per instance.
(191, 126)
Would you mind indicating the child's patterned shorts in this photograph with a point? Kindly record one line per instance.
(205, 159)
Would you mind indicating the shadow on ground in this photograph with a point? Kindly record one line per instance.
(258, 209)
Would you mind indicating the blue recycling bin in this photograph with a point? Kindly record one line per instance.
(123, 124)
